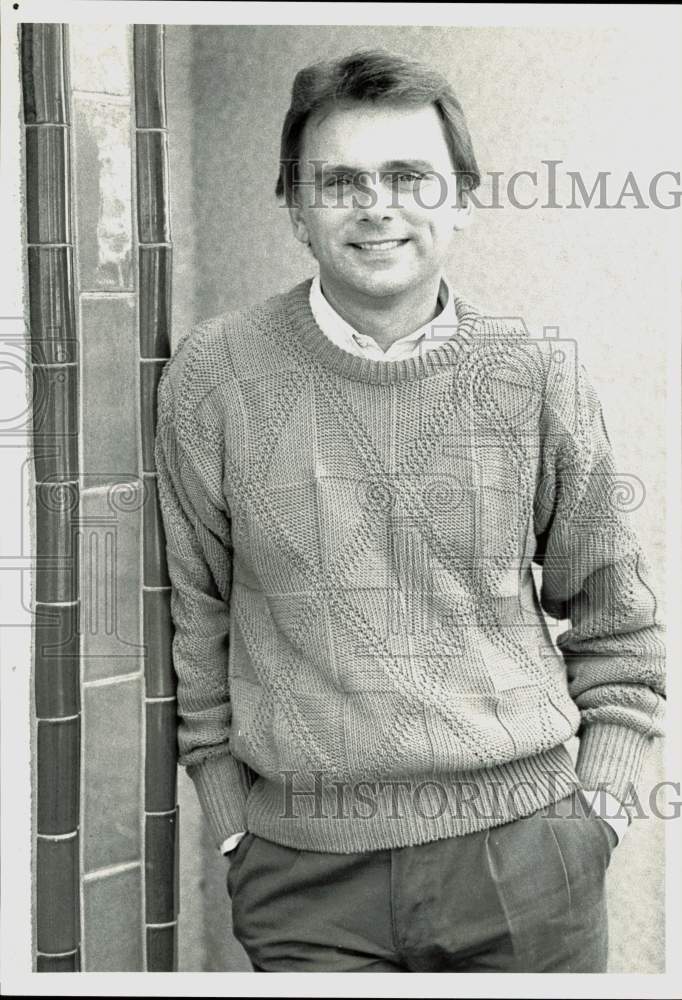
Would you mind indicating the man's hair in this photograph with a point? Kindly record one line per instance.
(369, 76)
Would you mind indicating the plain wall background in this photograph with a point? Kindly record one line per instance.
(596, 100)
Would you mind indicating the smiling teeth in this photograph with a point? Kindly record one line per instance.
(387, 245)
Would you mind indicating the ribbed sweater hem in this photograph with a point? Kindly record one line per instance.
(315, 814)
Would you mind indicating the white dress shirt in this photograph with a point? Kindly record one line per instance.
(442, 327)
(432, 334)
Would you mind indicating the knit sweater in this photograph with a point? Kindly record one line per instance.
(362, 657)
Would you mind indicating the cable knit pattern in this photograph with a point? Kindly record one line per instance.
(350, 545)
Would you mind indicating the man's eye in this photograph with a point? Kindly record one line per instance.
(405, 177)
(337, 180)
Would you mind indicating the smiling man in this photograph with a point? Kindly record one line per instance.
(377, 198)
(355, 478)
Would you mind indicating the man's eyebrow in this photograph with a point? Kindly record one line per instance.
(332, 169)
(422, 165)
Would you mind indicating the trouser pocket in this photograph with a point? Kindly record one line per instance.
(549, 869)
(236, 859)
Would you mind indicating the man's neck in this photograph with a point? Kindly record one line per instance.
(387, 318)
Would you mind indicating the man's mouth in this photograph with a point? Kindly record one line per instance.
(376, 246)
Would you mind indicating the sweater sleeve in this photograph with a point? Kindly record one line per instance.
(199, 554)
(595, 574)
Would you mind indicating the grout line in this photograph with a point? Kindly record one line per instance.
(124, 866)
(58, 718)
(94, 294)
(54, 837)
(154, 701)
(171, 923)
(56, 954)
(123, 99)
(103, 296)
(164, 812)
(106, 487)
(56, 604)
(110, 681)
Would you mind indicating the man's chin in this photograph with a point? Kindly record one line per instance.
(375, 285)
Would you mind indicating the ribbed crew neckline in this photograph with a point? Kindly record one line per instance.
(311, 338)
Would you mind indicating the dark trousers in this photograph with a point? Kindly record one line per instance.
(527, 896)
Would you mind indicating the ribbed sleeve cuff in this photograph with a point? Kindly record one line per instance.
(222, 785)
(611, 757)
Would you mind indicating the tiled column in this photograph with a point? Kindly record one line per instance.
(154, 263)
(54, 361)
(105, 701)
(112, 668)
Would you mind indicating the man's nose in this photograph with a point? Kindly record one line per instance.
(374, 197)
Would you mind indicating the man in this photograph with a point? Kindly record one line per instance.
(355, 478)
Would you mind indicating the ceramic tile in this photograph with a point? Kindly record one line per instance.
(155, 571)
(112, 773)
(150, 98)
(57, 899)
(150, 373)
(55, 422)
(155, 277)
(56, 553)
(109, 389)
(162, 949)
(47, 202)
(58, 771)
(161, 756)
(51, 304)
(100, 58)
(113, 935)
(152, 188)
(111, 527)
(102, 174)
(42, 71)
(161, 870)
(59, 963)
(158, 640)
(57, 660)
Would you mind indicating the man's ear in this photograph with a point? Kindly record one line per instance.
(463, 213)
(298, 223)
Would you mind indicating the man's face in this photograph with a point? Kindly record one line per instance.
(378, 202)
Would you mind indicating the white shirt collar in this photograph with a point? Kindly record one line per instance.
(441, 328)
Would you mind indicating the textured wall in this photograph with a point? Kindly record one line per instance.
(601, 277)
